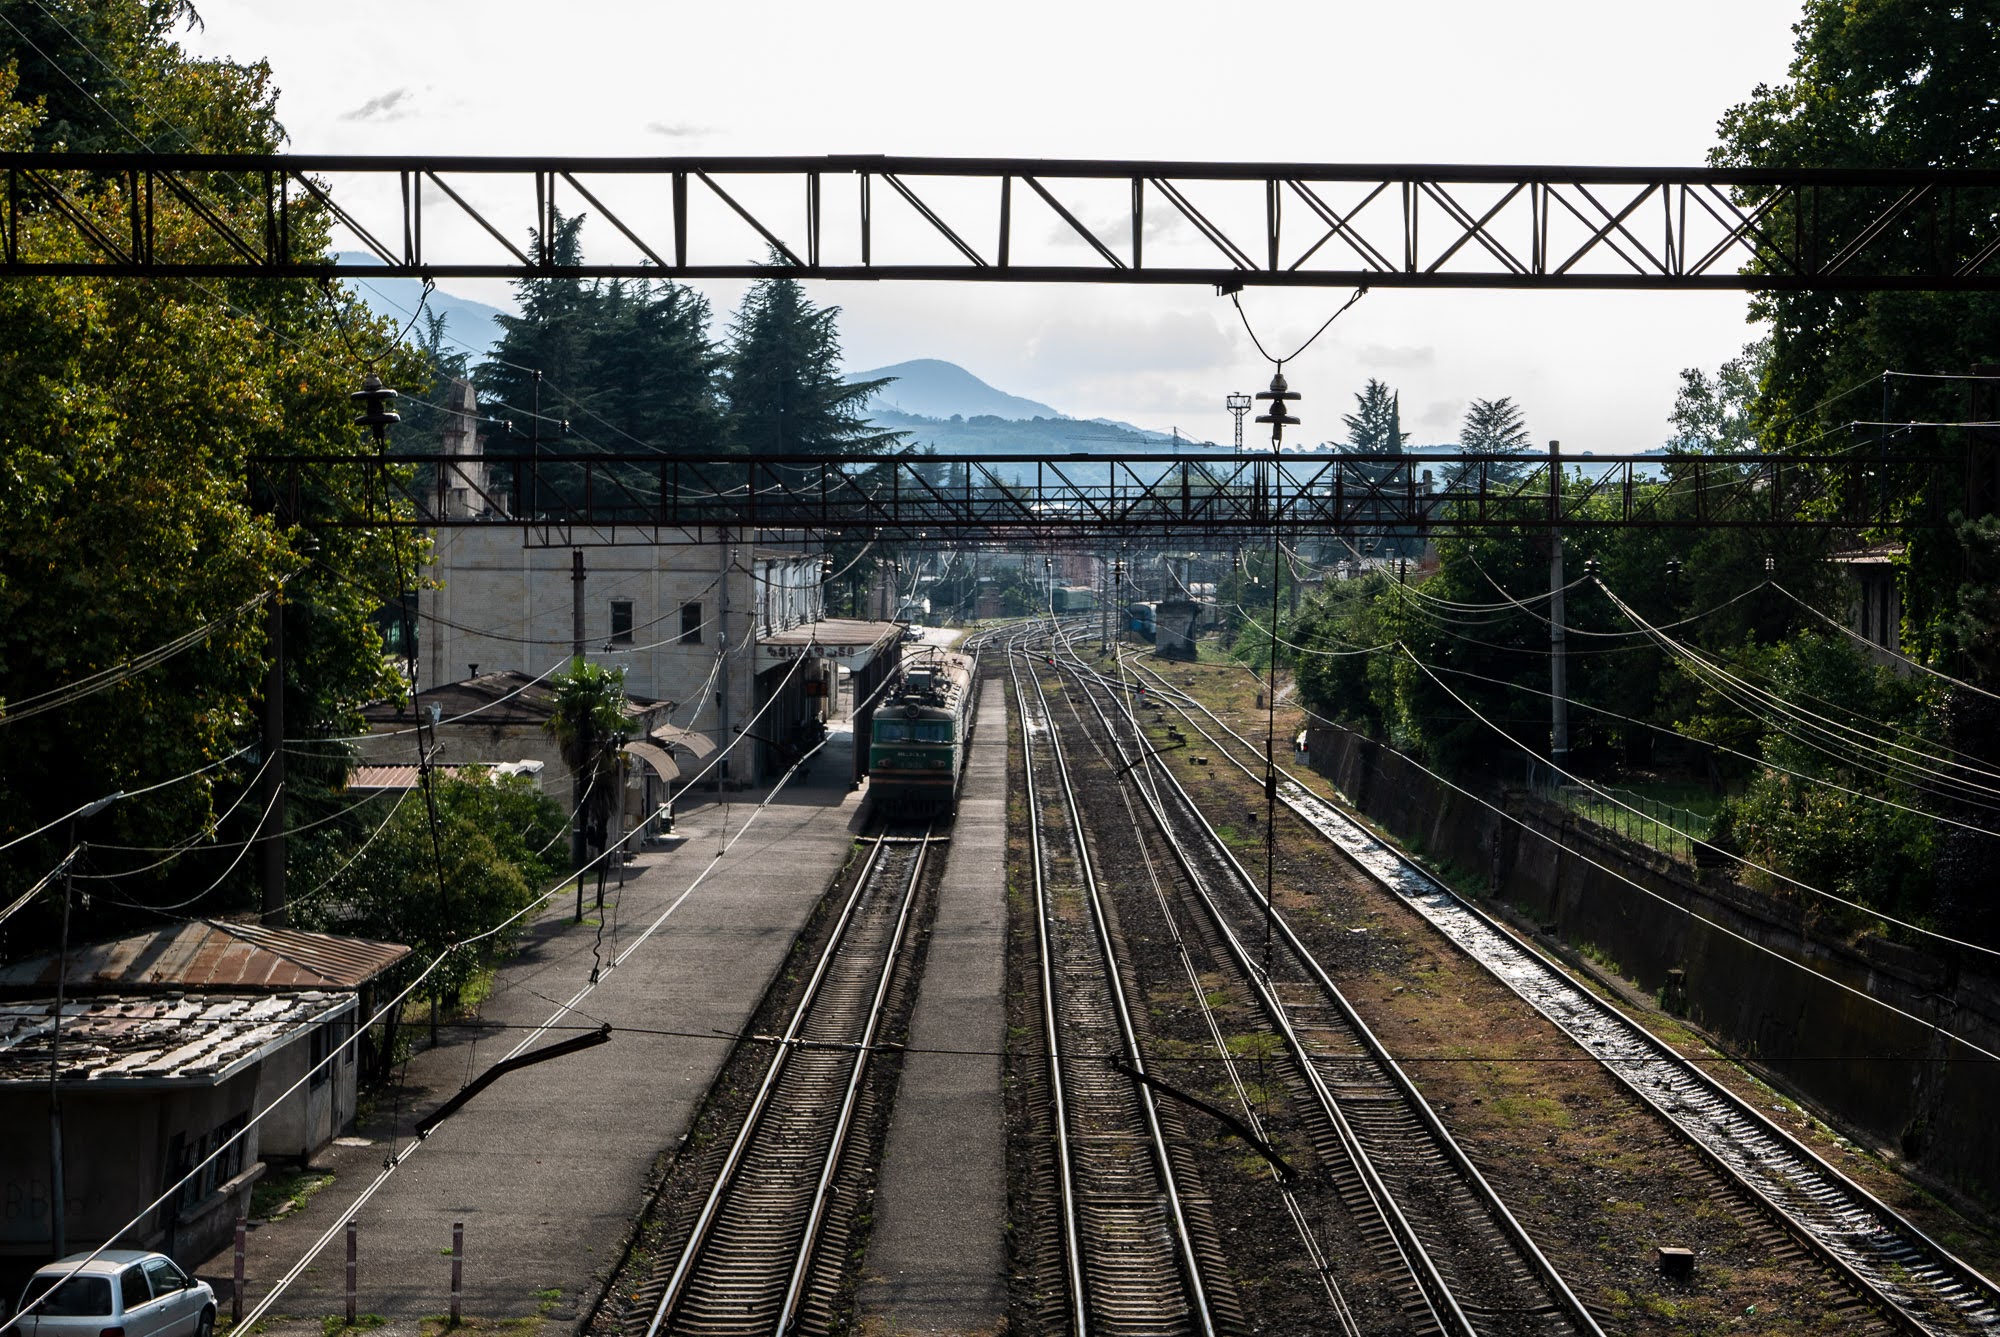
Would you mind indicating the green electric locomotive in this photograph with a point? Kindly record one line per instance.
(916, 741)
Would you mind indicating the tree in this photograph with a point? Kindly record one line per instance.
(127, 519)
(1889, 83)
(588, 725)
(1376, 428)
(1376, 425)
(491, 830)
(1492, 427)
(781, 379)
(109, 78)
(1716, 415)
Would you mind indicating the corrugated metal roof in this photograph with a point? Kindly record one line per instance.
(407, 777)
(191, 1038)
(211, 954)
(490, 700)
(392, 777)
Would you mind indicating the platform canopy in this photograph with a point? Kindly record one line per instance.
(850, 642)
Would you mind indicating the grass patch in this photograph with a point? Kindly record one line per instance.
(336, 1325)
(438, 1325)
(280, 1194)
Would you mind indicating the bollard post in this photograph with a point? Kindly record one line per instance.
(351, 1227)
(457, 1267)
(236, 1290)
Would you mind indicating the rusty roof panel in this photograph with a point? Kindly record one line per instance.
(182, 1038)
(211, 954)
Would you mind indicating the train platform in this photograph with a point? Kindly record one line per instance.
(548, 1167)
(936, 1261)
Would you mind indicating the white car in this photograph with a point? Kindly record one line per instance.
(119, 1293)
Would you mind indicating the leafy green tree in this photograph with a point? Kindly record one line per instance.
(781, 379)
(588, 725)
(1716, 415)
(126, 519)
(493, 833)
(110, 78)
(1878, 84)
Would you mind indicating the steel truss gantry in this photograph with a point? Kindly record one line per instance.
(1011, 219)
(1030, 500)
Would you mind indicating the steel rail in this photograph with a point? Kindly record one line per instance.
(1199, 992)
(1424, 1269)
(695, 1250)
(1058, 1098)
(877, 1006)
(1196, 1291)
(1873, 1257)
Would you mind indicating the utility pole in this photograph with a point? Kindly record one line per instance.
(58, 1226)
(1104, 607)
(576, 576)
(1558, 641)
(274, 763)
(724, 737)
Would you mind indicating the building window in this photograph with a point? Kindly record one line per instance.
(621, 621)
(691, 624)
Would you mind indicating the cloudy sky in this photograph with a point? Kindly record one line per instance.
(1443, 81)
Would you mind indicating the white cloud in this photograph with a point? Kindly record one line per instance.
(390, 106)
(1389, 357)
(1442, 416)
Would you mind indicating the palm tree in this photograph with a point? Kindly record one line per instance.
(588, 725)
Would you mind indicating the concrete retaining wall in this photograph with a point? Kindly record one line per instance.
(1854, 1025)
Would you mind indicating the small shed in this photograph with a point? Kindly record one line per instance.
(149, 1085)
(234, 957)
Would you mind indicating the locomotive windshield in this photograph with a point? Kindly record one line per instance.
(912, 731)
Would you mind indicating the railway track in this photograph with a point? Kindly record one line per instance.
(757, 1257)
(1130, 1261)
(1913, 1281)
(1423, 1208)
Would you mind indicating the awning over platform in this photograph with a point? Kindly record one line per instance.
(849, 642)
(656, 759)
(684, 747)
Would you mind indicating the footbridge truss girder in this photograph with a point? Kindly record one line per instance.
(1039, 500)
(1003, 219)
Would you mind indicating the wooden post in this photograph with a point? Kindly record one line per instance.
(351, 1227)
(236, 1290)
(457, 1267)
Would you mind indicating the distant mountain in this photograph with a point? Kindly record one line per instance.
(988, 434)
(927, 387)
(472, 326)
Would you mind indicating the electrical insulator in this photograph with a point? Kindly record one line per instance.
(1592, 567)
(374, 399)
(1280, 394)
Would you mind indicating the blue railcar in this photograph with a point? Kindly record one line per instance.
(1142, 620)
